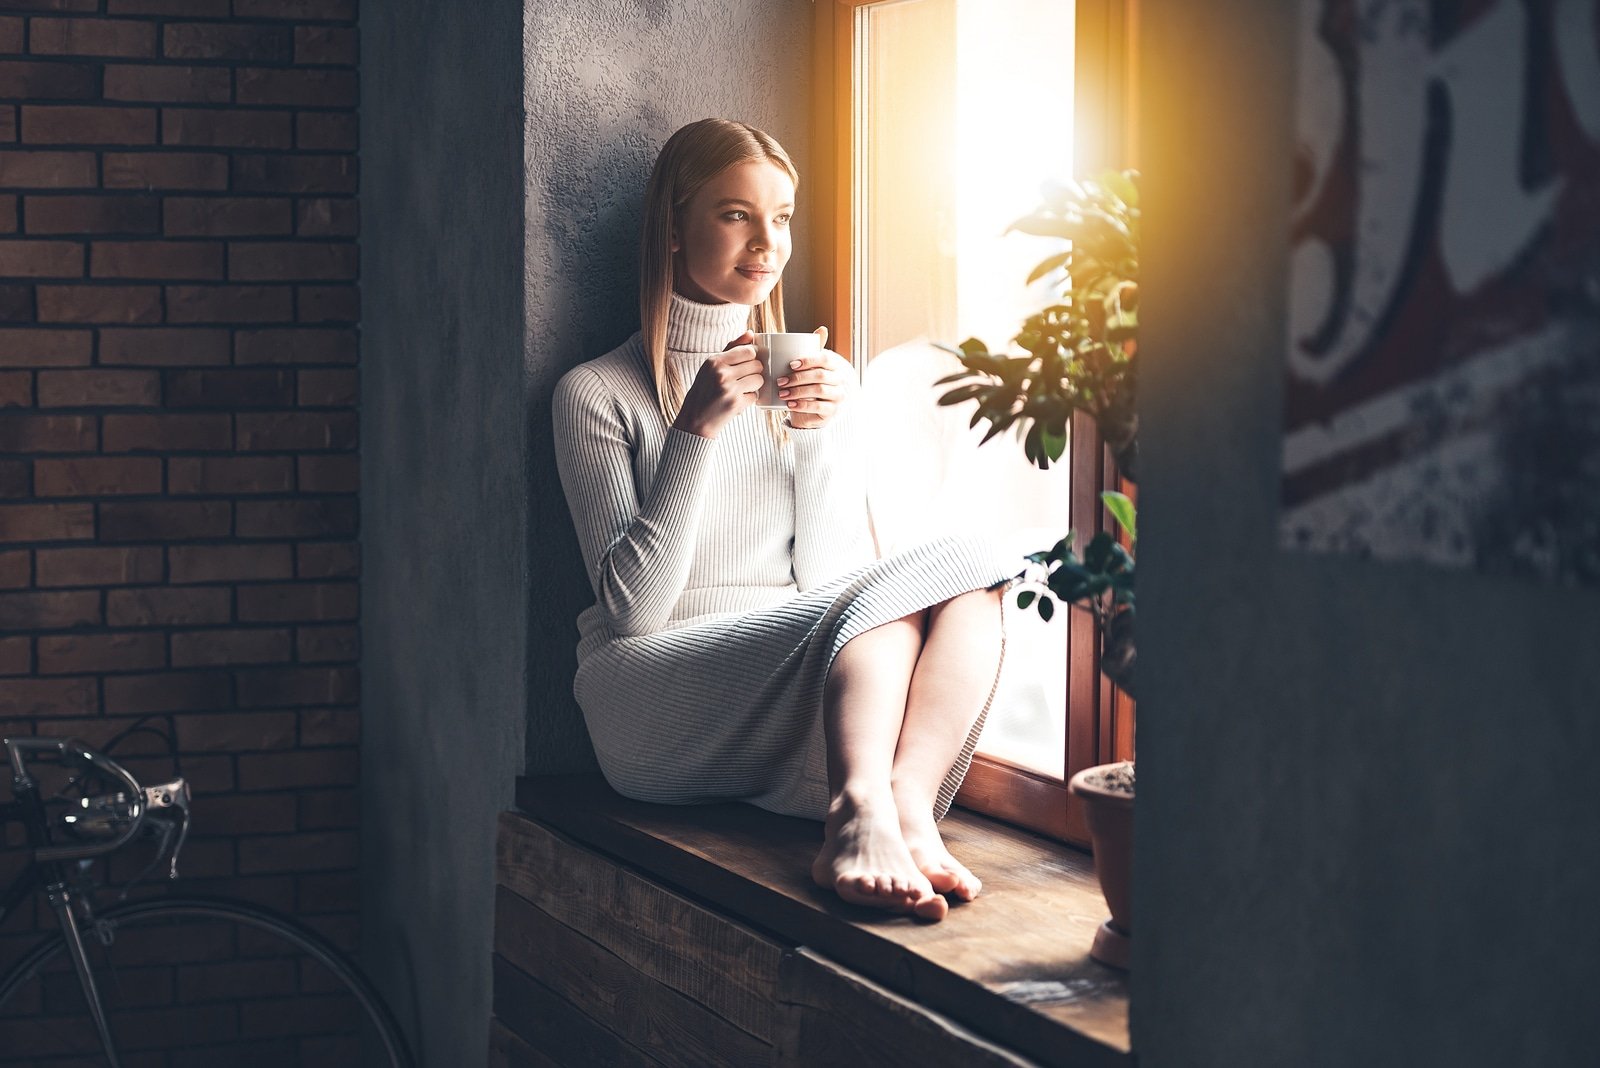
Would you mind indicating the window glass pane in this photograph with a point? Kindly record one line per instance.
(965, 110)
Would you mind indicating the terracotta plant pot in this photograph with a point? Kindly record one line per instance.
(1107, 793)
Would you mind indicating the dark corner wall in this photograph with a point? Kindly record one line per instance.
(1367, 823)
(505, 147)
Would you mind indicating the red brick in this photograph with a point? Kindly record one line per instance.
(228, 304)
(16, 389)
(328, 304)
(160, 84)
(168, 433)
(13, 569)
(326, 809)
(41, 259)
(10, 34)
(16, 304)
(46, 522)
(243, 813)
(329, 474)
(15, 479)
(55, 610)
(8, 123)
(303, 10)
(165, 347)
(48, 697)
(327, 131)
(165, 520)
(76, 124)
(296, 345)
(178, 691)
(16, 656)
(207, 647)
(97, 476)
(227, 216)
(278, 686)
(48, 433)
(57, 81)
(287, 771)
(226, 128)
(328, 388)
(98, 388)
(330, 726)
(229, 563)
(309, 851)
(327, 217)
(235, 731)
(199, 260)
(299, 602)
(200, 9)
(28, 347)
(297, 88)
(21, 169)
(230, 475)
(328, 892)
(99, 304)
(76, 654)
(231, 388)
(99, 567)
(236, 42)
(165, 170)
(185, 606)
(315, 518)
(325, 644)
(92, 37)
(294, 174)
(297, 430)
(116, 213)
(331, 45)
(271, 261)
(8, 213)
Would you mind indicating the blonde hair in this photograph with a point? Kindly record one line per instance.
(692, 157)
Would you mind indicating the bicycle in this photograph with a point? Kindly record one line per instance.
(147, 979)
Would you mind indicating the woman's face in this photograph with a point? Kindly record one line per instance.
(732, 241)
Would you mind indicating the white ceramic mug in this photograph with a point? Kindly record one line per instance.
(776, 352)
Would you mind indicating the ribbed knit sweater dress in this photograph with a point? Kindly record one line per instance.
(728, 573)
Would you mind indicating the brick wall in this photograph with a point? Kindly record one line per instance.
(178, 468)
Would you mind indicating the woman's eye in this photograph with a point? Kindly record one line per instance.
(783, 219)
(736, 216)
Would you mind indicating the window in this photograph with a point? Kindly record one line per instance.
(938, 122)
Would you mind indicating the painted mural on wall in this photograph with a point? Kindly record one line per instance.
(1442, 396)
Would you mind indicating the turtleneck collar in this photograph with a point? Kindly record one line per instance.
(704, 328)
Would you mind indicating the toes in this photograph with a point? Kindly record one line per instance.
(933, 908)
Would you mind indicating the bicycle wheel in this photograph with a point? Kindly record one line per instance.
(192, 982)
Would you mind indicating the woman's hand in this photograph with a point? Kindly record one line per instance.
(725, 385)
(815, 387)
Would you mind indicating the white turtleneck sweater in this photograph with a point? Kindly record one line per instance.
(675, 527)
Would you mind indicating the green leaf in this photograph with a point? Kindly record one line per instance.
(1025, 598)
(1048, 264)
(962, 394)
(973, 347)
(1054, 443)
(1047, 608)
(957, 377)
(1122, 510)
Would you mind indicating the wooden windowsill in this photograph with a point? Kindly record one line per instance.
(1012, 966)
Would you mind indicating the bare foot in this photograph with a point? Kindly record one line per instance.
(945, 873)
(865, 861)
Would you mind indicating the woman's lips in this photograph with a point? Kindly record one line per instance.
(756, 274)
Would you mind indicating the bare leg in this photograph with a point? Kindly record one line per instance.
(953, 678)
(864, 857)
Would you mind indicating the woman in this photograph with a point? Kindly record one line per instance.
(745, 644)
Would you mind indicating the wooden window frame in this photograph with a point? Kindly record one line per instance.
(1100, 718)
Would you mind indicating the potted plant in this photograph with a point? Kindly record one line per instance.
(1079, 355)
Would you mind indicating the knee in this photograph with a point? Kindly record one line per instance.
(971, 601)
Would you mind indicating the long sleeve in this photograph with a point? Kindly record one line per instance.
(638, 552)
(831, 535)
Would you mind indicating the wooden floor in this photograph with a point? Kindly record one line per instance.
(714, 905)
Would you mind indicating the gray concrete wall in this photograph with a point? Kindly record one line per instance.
(1367, 822)
(606, 85)
(444, 500)
(504, 153)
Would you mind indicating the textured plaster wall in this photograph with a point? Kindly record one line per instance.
(1367, 822)
(444, 501)
(606, 85)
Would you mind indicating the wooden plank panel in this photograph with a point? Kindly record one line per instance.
(1013, 964)
(643, 1012)
(721, 964)
(832, 1016)
(548, 1023)
(506, 1050)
